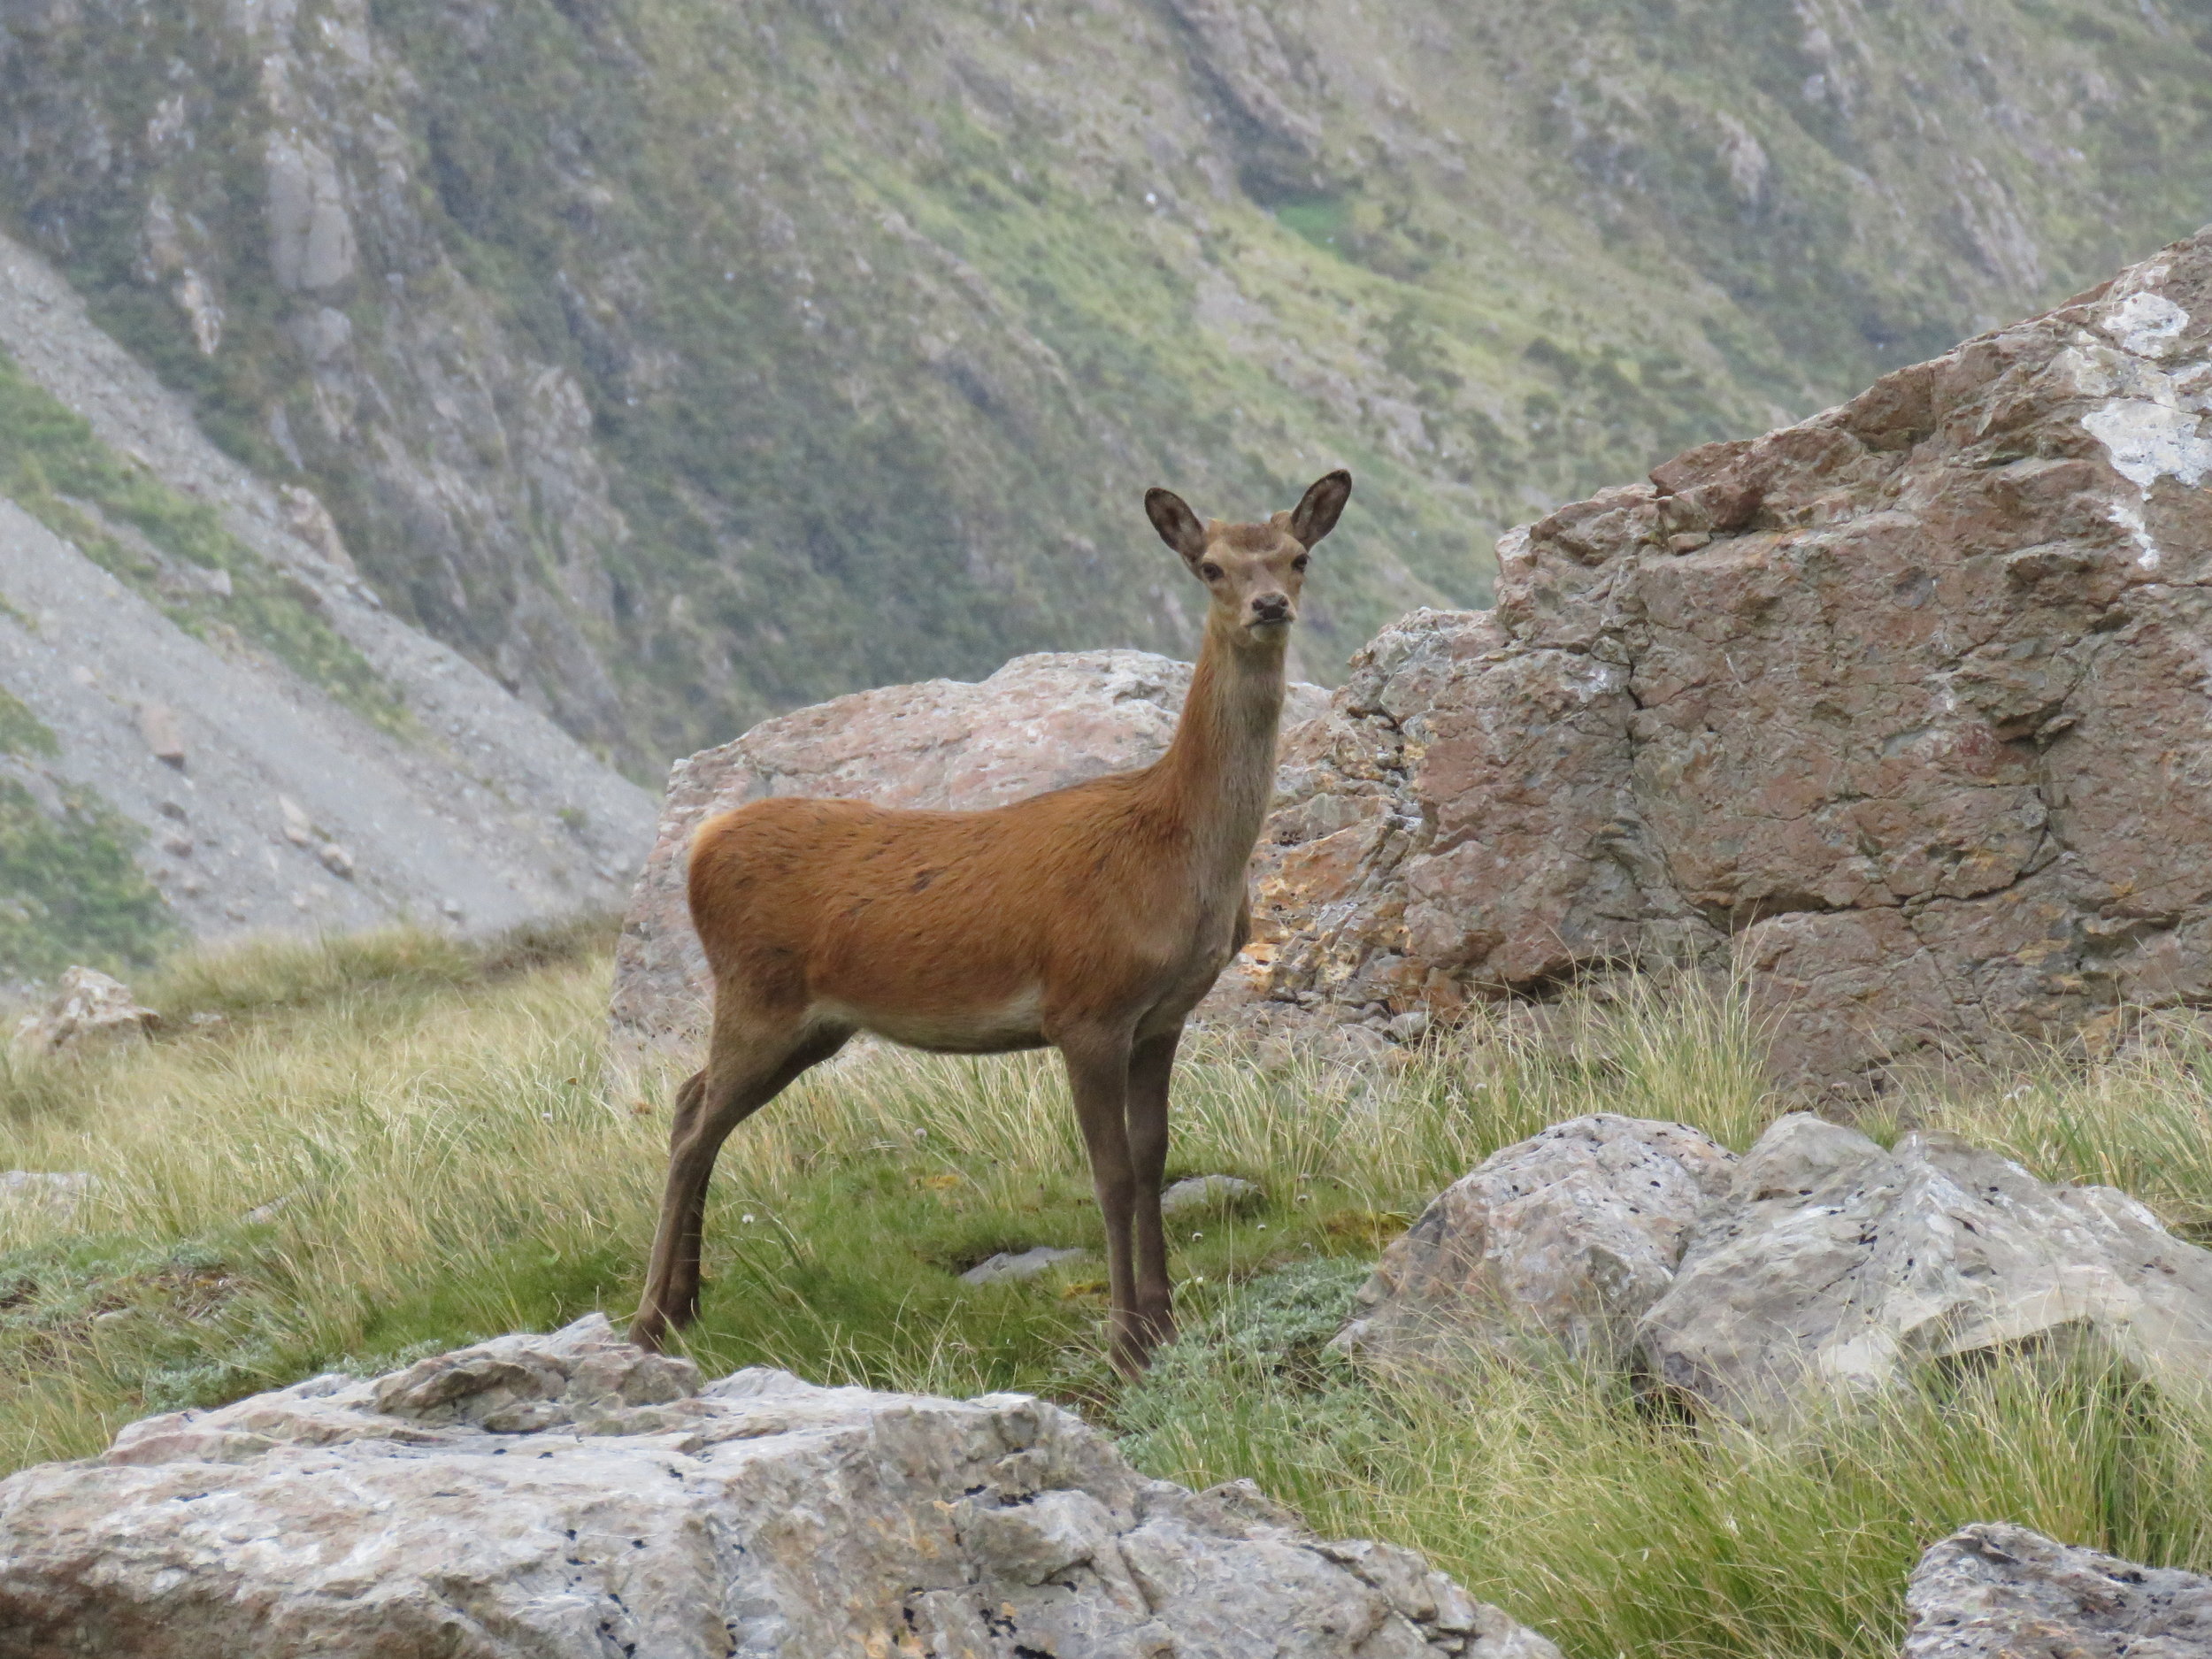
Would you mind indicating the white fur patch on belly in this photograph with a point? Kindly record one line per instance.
(986, 1028)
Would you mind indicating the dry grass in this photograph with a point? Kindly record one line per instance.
(392, 1144)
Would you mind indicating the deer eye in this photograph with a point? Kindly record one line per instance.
(1210, 571)
(1301, 562)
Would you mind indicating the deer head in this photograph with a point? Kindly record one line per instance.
(1253, 572)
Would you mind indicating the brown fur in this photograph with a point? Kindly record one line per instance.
(1091, 919)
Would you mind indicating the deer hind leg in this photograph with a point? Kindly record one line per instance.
(1151, 1063)
(749, 1063)
(1098, 1078)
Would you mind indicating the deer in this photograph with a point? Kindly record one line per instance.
(1091, 919)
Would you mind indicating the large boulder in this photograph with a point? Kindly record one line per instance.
(1996, 1591)
(1833, 1265)
(1042, 722)
(570, 1497)
(1567, 1238)
(1902, 708)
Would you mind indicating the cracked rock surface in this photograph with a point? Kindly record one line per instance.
(1568, 1237)
(1993, 1591)
(1902, 709)
(571, 1497)
(1832, 1266)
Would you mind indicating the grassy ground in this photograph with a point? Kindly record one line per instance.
(392, 1144)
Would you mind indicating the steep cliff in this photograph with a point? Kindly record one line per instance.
(680, 363)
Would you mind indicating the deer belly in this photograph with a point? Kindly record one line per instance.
(951, 1025)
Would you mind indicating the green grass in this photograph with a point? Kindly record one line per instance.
(390, 1144)
(23, 732)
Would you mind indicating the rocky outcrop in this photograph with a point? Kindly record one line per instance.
(1996, 1591)
(1564, 1239)
(88, 1007)
(1901, 710)
(1832, 1266)
(571, 1495)
(1039, 723)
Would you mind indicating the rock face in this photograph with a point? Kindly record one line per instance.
(1831, 1266)
(1042, 722)
(1998, 1592)
(571, 1496)
(1901, 707)
(88, 1006)
(1568, 1237)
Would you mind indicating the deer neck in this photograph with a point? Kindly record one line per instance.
(1218, 773)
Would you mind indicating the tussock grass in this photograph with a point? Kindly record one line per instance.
(390, 1144)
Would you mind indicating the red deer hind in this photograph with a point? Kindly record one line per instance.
(1090, 919)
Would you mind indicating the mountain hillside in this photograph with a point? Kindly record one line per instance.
(210, 725)
(681, 362)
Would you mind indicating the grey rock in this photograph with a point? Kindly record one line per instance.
(997, 1270)
(1832, 1266)
(1996, 1591)
(1206, 1192)
(569, 1496)
(1568, 1237)
(88, 1007)
(56, 1194)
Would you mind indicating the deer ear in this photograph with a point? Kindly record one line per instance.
(1177, 524)
(1317, 514)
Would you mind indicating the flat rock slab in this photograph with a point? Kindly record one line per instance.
(2003, 1592)
(1008, 1265)
(1042, 722)
(1197, 1193)
(1832, 1266)
(1568, 1238)
(570, 1497)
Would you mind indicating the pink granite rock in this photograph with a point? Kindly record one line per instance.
(1904, 709)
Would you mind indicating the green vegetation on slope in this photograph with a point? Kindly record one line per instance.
(880, 318)
(70, 889)
(23, 732)
(164, 545)
(394, 1144)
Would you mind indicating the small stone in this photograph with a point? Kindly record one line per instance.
(88, 1006)
(451, 908)
(164, 739)
(56, 1193)
(1206, 1192)
(177, 846)
(1409, 1026)
(336, 859)
(1005, 1266)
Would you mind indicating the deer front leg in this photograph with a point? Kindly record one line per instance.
(740, 1078)
(1098, 1078)
(1151, 1065)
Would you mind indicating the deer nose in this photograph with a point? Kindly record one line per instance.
(1271, 608)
